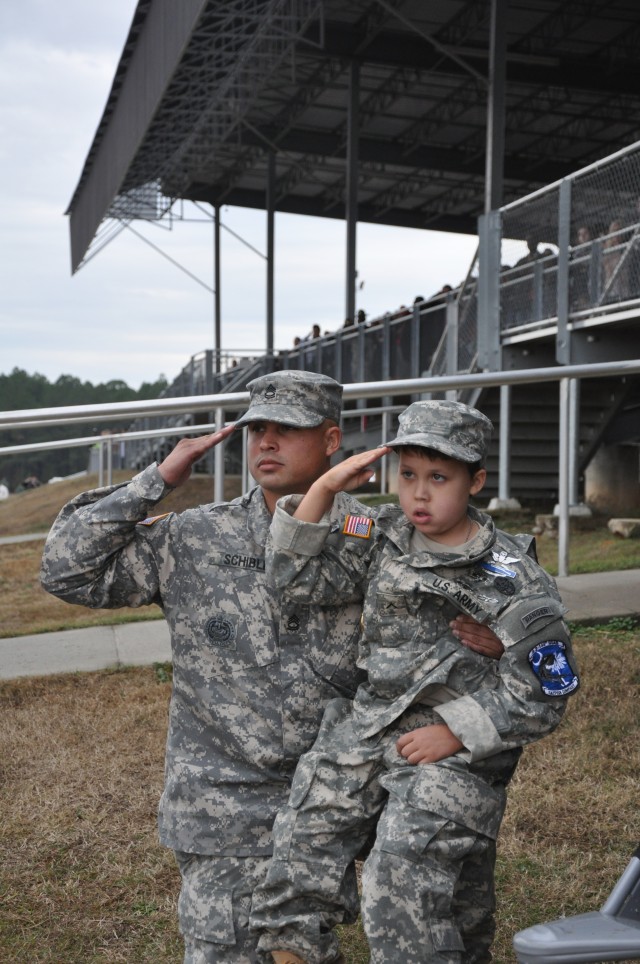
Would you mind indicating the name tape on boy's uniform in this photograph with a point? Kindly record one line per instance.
(357, 525)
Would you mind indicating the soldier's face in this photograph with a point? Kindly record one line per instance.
(284, 459)
(434, 495)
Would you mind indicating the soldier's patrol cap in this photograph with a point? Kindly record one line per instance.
(449, 427)
(292, 397)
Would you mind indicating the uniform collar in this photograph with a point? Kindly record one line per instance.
(396, 527)
(258, 516)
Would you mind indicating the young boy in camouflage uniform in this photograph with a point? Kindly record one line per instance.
(430, 741)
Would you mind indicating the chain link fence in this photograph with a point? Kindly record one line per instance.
(602, 223)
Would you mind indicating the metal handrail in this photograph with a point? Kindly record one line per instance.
(31, 418)
(114, 411)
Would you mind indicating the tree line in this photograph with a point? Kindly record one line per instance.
(21, 390)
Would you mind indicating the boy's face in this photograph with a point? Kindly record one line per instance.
(434, 495)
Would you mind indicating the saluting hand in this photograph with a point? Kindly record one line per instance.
(176, 468)
(354, 471)
(348, 475)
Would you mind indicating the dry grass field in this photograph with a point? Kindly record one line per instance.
(24, 606)
(82, 877)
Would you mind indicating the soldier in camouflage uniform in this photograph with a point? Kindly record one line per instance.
(430, 741)
(251, 672)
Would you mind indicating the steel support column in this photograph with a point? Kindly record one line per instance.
(270, 205)
(494, 162)
(353, 124)
(217, 317)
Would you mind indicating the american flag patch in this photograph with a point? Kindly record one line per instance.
(357, 525)
(151, 520)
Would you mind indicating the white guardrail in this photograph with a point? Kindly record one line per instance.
(74, 414)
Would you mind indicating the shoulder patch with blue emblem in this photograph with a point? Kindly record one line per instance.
(550, 664)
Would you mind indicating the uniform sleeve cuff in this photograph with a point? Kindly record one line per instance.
(304, 538)
(473, 727)
(150, 485)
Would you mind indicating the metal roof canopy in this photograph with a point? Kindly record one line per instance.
(207, 94)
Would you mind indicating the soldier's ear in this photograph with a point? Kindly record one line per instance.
(333, 437)
(478, 481)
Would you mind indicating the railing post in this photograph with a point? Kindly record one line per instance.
(208, 381)
(574, 439)
(452, 316)
(489, 328)
(218, 461)
(101, 463)
(563, 343)
(361, 403)
(415, 342)
(538, 282)
(504, 466)
(109, 445)
(384, 468)
(386, 357)
(244, 477)
(338, 362)
(563, 480)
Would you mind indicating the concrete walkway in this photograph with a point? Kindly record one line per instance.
(84, 650)
(596, 597)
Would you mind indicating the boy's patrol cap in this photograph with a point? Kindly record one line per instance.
(291, 397)
(449, 427)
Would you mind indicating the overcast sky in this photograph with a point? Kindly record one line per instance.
(129, 313)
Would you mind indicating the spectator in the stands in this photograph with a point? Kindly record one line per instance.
(532, 251)
(615, 268)
(633, 256)
(441, 294)
(580, 272)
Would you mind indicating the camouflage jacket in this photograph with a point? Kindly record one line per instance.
(407, 648)
(251, 674)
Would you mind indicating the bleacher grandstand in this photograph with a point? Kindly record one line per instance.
(518, 121)
(550, 292)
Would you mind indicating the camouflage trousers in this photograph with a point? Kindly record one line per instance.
(213, 907)
(428, 883)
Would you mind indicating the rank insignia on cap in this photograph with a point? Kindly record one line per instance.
(153, 519)
(550, 664)
(357, 525)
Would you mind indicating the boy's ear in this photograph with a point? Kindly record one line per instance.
(333, 437)
(478, 481)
